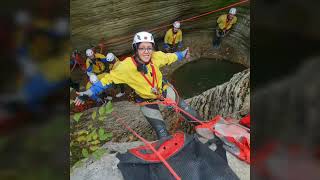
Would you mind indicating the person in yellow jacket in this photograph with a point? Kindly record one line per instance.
(225, 22)
(142, 73)
(113, 62)
(99, 68)
(173, 38)
(95, 69)
(95, 62)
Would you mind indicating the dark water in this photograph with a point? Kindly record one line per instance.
(195, 77)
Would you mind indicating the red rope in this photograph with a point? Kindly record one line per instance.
(149, 145)
(75, 63)
(207, 13)
(128, 37)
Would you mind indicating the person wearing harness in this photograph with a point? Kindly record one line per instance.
(173, 38)
(95, 67)
(142, 73)
(95, 62)
(225, 22)
(114, 62)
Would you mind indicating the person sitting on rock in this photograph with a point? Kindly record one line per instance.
(173, 38)
(95, 67)
(142, 73)
(225, 22)
(95, 62)
(113, 62)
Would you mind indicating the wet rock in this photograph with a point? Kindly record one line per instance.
(231, 99)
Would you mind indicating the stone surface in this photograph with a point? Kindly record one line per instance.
(118, 21)
(226, 98)
(106, 167)
(231, 99)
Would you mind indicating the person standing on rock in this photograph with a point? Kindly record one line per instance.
(225, 22)
(142, 73)
(173, 38)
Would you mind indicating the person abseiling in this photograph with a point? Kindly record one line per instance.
(225, 22)
(173, 38)
(142, 73)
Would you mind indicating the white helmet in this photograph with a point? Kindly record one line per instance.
(110, 57)
(143, 37)
(89, 52)
(93, 78)
(233, 11)
(176, 24)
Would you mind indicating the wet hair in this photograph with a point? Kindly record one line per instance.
(135, 48)
(141, 67)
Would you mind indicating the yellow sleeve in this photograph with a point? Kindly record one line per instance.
(117, 75)
(116, 63)
(219, 19)
(166, 37)
(87, 63)
(161, 59)
(235, 20)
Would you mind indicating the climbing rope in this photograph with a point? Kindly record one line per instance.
(158, 29)
(175, 175)
(166, 102)
(128, 37)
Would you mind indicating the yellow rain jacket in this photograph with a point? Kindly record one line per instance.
(223, 24)
(100, 76)
(126, 72)
(99, 67)
(171, 38)
(114, 65)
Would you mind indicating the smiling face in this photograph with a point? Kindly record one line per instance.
(92, 57)
(145, 50)
(175, 30)
(230, 16)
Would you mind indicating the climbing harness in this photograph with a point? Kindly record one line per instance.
(154, 85)
(175, 175)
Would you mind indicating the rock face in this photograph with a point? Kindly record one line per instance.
(231, 99)
(132, 116)
(224, 99)
(106, 167)
(118, 21)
